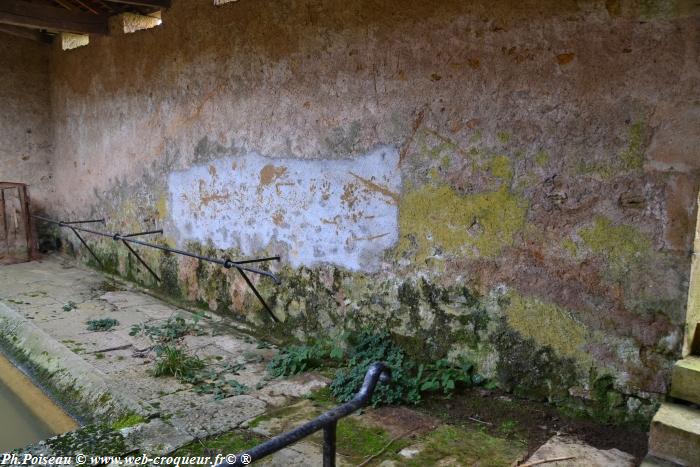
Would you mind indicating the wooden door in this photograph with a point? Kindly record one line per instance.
(15, 228)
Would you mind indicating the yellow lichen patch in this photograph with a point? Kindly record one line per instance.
(541, 158)
(503, 137)
(621, 245)
(548, 324)
(633, 155)
(500, 167)
(162, 207)
(569, 246)
(438, 217)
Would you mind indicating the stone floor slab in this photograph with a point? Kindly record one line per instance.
(580, 454)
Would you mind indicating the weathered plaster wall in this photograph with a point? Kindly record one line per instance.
(25, 118)
(535, 202)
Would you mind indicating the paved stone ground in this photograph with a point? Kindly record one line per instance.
(576, 454)
(54, 298)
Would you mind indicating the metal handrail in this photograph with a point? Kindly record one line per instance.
(327, 421)
(129, 238)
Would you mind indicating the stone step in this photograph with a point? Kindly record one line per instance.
(685, 380)
(675, 434)
(651, 461)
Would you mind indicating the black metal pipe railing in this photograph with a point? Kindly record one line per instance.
(328, 422)
(129, 238)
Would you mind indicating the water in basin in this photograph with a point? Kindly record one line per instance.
(28, 415)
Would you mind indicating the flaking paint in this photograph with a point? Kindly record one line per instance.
(342, 212)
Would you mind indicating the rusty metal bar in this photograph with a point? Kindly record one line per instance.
(88, 247)
(133, 252)
(83, 222)
(149, 232)
(125, 239)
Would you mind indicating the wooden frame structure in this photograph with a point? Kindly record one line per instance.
(21, 246)
(41, 19)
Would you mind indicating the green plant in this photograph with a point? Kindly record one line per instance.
(70, 306)
(222, 388)
(508, 428)
(369, 347)
(299, 358)
(443, 375)
(104, 324)
(174, 361)
(409, 379)
(218, 381)
(172, 330)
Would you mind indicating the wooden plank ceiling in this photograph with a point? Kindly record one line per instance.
(41, 19)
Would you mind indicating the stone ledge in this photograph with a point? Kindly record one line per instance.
(74, 382)
(685, 380)
(675, 434)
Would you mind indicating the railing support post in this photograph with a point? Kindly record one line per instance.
(329, 444)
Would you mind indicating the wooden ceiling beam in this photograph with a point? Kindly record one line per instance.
(148, 3)
(25, 33)
(31, 15)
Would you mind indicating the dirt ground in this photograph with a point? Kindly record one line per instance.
(503, 414)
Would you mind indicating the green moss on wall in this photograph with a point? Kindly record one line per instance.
(650, 9)
(169, 276)
(531, 370)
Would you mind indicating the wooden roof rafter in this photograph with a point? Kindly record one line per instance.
(37, 19)
(35, 16)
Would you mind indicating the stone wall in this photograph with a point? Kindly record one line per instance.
(25, 118)
(509, 182)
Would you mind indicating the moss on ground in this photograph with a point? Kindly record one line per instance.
(453, 445)
(228, 443)
(322, 398)
(89, 440)
(284, 418)
(128, 421)
(356, 440)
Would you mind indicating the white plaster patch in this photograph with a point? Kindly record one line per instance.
(343, 212)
